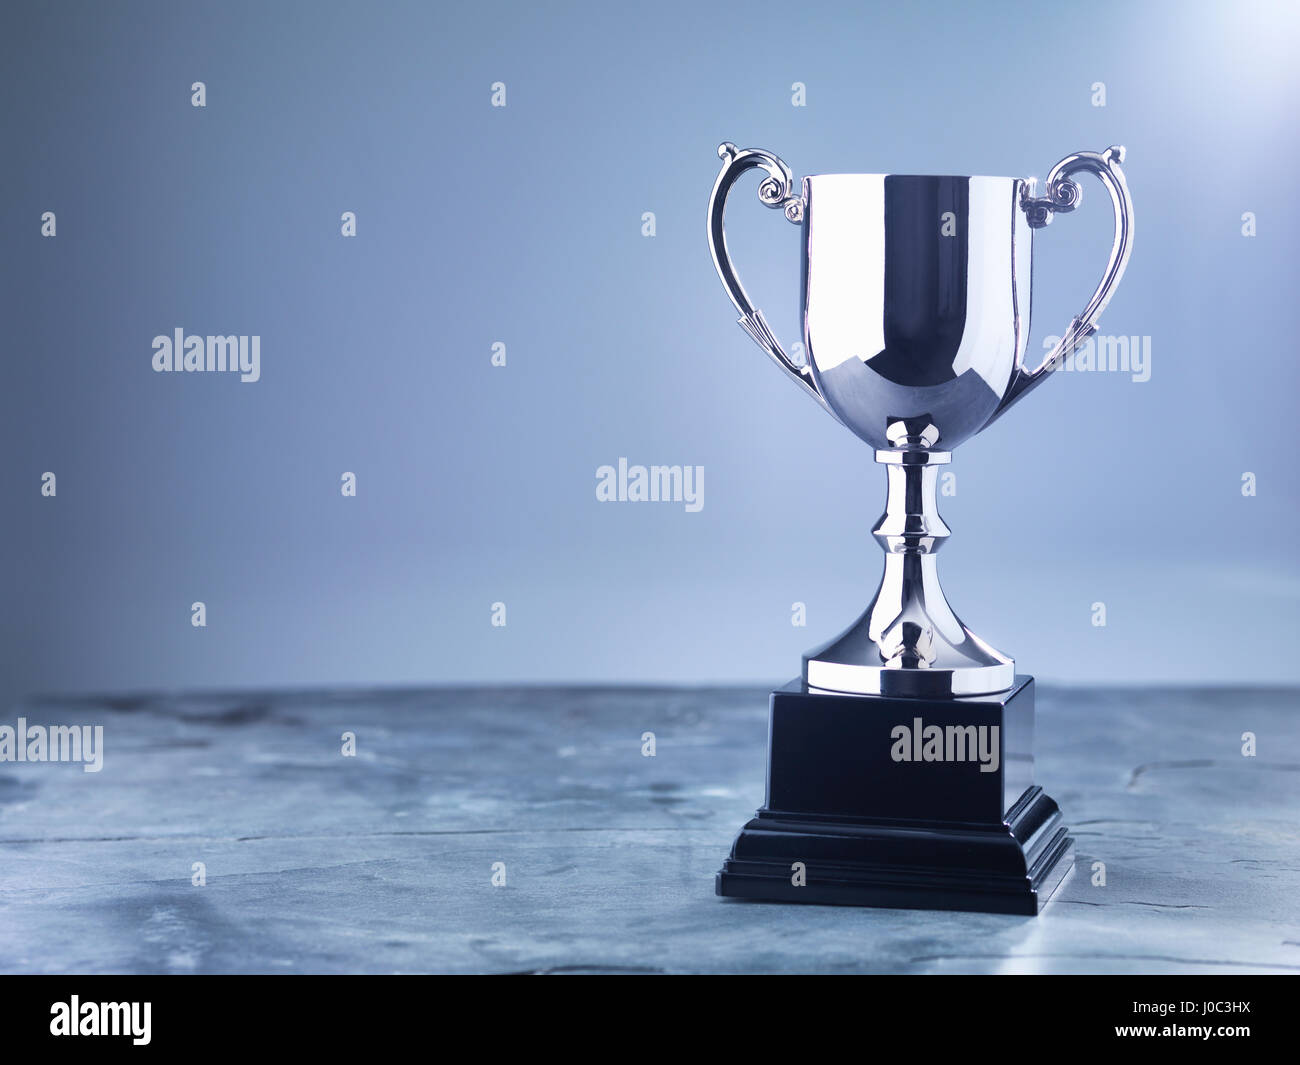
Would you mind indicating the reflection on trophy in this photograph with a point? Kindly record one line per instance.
(916, 296)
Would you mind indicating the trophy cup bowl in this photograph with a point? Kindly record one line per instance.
(916, 294)
(916, 298)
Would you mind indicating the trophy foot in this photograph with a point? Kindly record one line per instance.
(913, 657)
(902, 803)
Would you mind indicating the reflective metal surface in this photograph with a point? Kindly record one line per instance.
(909, 641)
(916, 298)
(1063, 196)
(775, 191)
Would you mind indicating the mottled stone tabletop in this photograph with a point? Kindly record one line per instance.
(315, 861)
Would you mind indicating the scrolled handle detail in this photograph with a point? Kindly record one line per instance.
(1063, 196)
(776, 191)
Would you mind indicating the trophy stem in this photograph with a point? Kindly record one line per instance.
(909, 642)
(911, 525)
(910, 532)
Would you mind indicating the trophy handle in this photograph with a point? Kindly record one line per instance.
(1063, 196)
(775, 191)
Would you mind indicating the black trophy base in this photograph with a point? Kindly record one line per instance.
(902, 803)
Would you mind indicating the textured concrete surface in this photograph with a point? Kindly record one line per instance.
(382, 862)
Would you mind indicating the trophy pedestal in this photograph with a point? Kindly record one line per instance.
(912, 803)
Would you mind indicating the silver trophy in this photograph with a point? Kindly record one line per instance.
(916, 294)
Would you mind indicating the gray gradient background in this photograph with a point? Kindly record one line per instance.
(523, 225)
